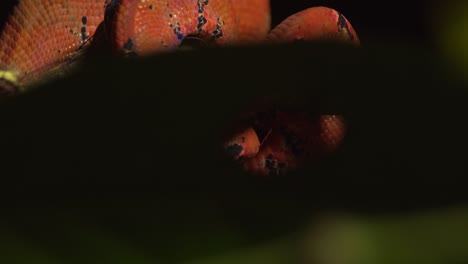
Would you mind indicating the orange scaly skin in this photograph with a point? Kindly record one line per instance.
(254, 20)
(244, 143)
(317, 23)
(42, 35)
(217, 22)
(45, 33)
(133, 23)
(292, 139)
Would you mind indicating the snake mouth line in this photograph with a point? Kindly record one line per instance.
(192, 42)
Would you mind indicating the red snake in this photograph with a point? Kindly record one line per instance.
(42, 36)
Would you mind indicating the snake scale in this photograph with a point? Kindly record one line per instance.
(41, 37)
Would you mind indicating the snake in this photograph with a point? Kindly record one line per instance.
(41, 38)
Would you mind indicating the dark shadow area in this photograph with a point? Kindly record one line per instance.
(132, 146)
(157, 123)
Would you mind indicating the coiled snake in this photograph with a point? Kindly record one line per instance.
(40, 38)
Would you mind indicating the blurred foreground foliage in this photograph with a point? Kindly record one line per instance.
(121, 162)
(449, 23)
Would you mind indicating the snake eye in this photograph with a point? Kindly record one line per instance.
(8, 83)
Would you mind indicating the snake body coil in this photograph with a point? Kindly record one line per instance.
(40, 38)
